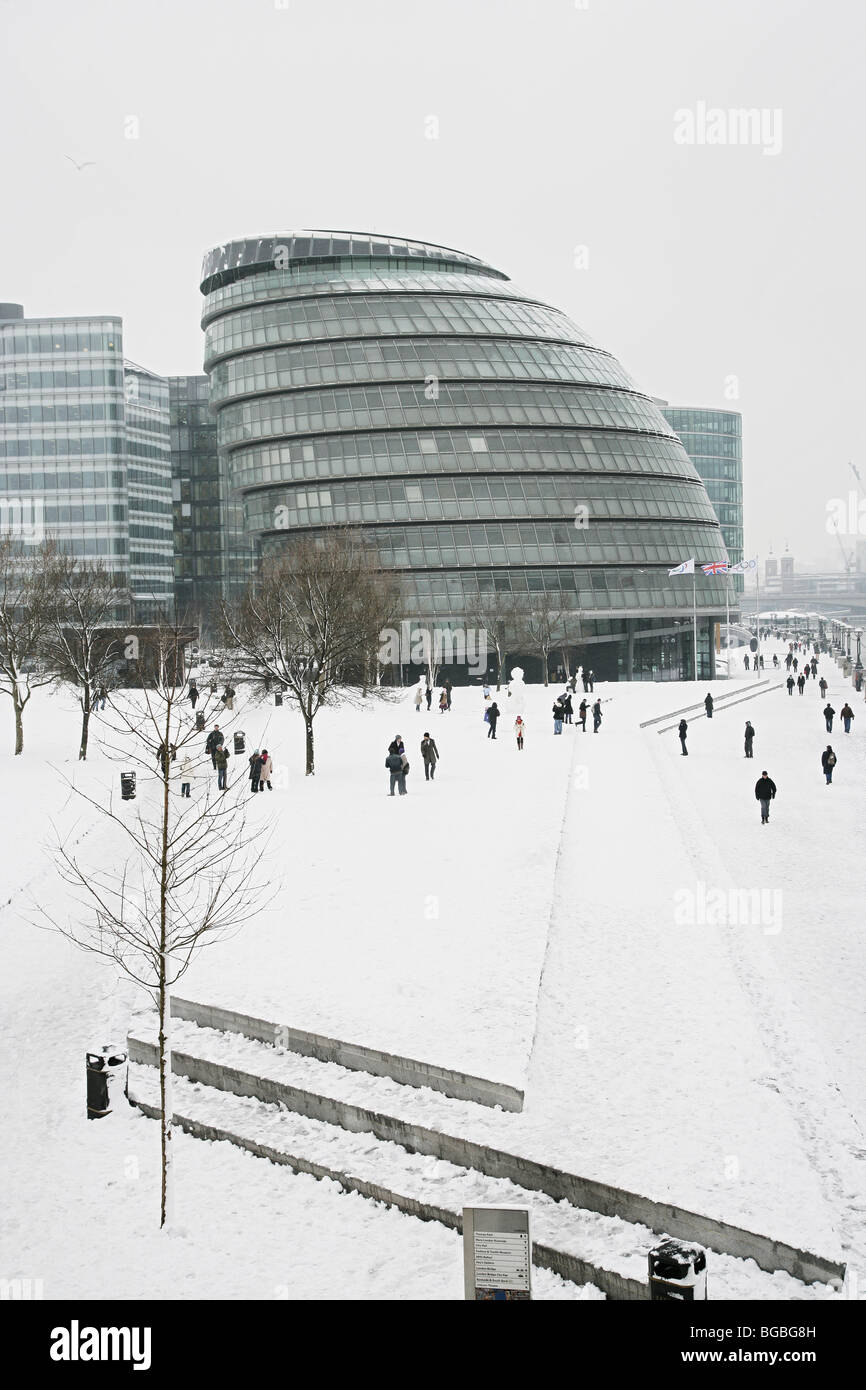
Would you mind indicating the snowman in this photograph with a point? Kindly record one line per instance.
(517, 692)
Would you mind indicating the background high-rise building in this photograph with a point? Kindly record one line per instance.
(486, 445)
(713, 440)
(84, 444)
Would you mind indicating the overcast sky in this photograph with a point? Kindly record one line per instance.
(708, 269)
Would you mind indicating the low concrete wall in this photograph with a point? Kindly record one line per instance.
(579, 1271)
(353, 1056)
(586, 1193)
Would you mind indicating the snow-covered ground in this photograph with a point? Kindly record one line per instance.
(547, 918)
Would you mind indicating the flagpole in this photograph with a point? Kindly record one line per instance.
(728, 623)
(758, 614)
(695, 617)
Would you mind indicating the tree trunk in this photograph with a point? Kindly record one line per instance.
(166, 1102)
(311, 764)
(85, 723)
(19, 725)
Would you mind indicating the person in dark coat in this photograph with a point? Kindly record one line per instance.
(591, 679)
(255, 762)
(801, 682)
(430, 754)
(794, 663)
(448, 692)
(828, 717)
(585, 678)
(221, 763)
(775, 662)
(846, 714)
(746, 661)
(828, 762)
(193, 693)
(428, 696)
(683, 732)
(814, 664)
(596, 716)
(761, 661)
(102, 696)
(790, 684)
(582, 709)
(788, 659)
(394, 764)
(823, 687)
(492, 719)
(765, 791)
(749, 738)
(215, 740)
(708, 706)
(568, 708)
(558, 713)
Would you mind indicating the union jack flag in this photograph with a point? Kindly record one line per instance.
(716, 567)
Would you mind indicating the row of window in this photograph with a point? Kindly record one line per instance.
(369, 407)
(29, 446)
(94, 480)
(77, 515)
(61, 379)
(371, 316)
(278, 284)
(58, 338)
(263, 514)
(414, 360)
(43, 413)
(704, 421)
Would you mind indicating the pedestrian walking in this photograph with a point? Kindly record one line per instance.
(519, 728)
(192, 694)
(775, 662)
(214, 741)
(708, 706)
(823, 687)
(428, 696)
(419, 696)
(795, 663)
(765, 792)
(187, 773)
(746, 661)
(846, 714)
(266, 771)
(814, 664)
(221, 763)
(761, 662)
(828, 717)
(683, 732)
(443, 702)
(582, 709)
(828, 762)
(801, 682)
(749, 738)
(596, 716)
(255, 762)
(102, 696)
(492, 718)
(448, 688)
(430, 754)
(790, 684)
(396, 745)
(394, 764)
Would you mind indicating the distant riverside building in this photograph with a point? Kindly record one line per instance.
(84, 450)
(713, 440)
(211, 552)
(490, 450)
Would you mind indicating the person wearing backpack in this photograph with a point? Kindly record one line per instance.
(828, 762)
(846, 714)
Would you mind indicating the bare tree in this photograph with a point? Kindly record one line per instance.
(312, 623)
(541, 629)
(24, 615)
(502, 617)
(80, 643)
(187, 880)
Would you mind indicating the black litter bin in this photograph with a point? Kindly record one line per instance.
(127, 786)
(240, 741)
(278, 699)
(199, 721)
(677, 1271)
(103, 1069)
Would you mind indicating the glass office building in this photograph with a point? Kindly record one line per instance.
(491, 450)
(212, 555)
(84, 449)
(713, 440)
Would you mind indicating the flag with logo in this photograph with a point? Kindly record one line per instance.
(687, 567)
(744, 566)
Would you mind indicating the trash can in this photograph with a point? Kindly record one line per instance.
(127, 786)
(199, 721)
(103, 1069)
(677, 1271)
(240, 741)
(278, 699)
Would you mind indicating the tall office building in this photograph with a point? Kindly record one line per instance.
(84, 449)
(211, 559)
(713, 440)
(485, 444)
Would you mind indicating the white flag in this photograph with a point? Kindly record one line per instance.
(744, 566)
(687, 567)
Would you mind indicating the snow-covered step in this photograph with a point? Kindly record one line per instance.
(428, 1123)
(586, 1247)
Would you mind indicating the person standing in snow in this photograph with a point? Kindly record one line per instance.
(443, 702)
(568, 708)
(749, 738)
(596, 716)
(418, 698)
(221, 763)
(801, 682)
(591, 680)
(448, 689)
(585, 679)
(765, 791)
(828, 717)
(255, 762)
(828, 762)
(814, 664)
(430, 754)
(683, 732)
(394, 764)
(214, 741)
(428, 696)
(582, 709)
(790, 684)
(492, 718)
(846, 714)
(266, 771)
(192, 694)
(795, 663)
(823, 687)
(746, 661)
(396, 745)
(557, 717)
(187, 773)
(708, 706)
(519, 727)
(102, 696)
(775, 662)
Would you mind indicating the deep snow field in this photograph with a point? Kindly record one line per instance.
(543, 918)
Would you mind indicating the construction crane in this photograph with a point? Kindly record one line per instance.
(856, 471)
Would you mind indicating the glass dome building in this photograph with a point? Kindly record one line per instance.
(487, 446)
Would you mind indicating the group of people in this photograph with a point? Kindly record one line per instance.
(397, 762)
(563, 713)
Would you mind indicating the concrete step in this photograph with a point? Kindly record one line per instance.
(585, 1247)
(434, 1128)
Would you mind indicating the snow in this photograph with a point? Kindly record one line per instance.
(524, 918)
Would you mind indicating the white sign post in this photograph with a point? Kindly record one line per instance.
(497, 1254)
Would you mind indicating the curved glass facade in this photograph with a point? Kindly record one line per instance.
(480, 438)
